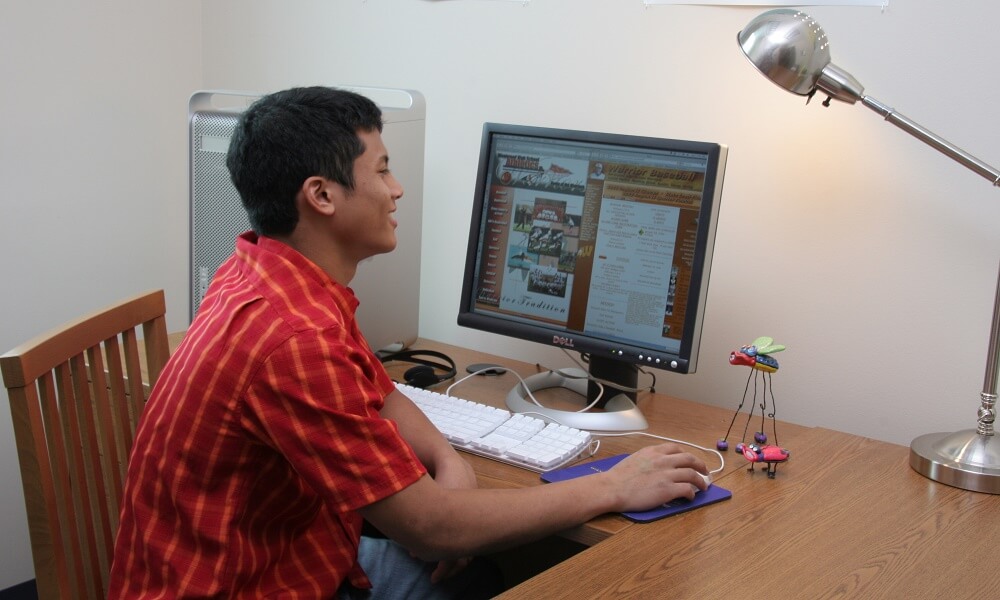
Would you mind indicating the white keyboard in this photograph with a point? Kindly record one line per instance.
(515, 439)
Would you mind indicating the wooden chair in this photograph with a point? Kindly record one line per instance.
(76, 394)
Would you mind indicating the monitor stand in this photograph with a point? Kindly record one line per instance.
(620, 413)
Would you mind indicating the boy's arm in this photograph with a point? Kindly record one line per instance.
(443, 462)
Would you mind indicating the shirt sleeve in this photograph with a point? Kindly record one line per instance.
(316, 402)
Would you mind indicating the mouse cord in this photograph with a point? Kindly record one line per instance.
(722, 460)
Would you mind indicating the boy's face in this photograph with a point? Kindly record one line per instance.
(365, 218)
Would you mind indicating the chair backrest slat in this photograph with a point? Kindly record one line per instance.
(116, 420)
(90, 380)
(76, 395)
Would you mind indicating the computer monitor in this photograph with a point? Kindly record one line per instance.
(597, 243)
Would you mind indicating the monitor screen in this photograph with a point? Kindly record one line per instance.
(594, 242)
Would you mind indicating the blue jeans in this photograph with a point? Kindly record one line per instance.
(397, 575)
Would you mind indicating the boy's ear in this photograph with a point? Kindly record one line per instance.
(319, 194)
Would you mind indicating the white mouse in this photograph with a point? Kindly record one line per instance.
(708, 481)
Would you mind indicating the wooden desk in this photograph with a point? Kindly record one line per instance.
(845, 517)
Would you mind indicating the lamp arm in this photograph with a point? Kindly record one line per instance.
(935, 141)
(987, 410)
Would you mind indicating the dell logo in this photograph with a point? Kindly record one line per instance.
(562, 341)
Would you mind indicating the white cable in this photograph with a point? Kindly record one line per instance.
(447, 391)
(602, 382)
(722, 460)
(527, 390)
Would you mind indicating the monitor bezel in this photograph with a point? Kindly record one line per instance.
(682, 361)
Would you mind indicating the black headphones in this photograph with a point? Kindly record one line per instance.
(423, 375)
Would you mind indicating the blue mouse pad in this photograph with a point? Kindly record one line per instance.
(712, 495)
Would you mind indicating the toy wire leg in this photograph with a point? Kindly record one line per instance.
(774, 411)
(739, 408)
(764, 377)
(753, 407)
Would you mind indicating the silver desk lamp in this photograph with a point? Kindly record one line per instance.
(792, 50)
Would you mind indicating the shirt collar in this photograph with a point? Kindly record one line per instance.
(257, 249)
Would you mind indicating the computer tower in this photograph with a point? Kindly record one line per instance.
(387, 285)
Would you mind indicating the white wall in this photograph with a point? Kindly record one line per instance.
(872, 257)
(93, 178)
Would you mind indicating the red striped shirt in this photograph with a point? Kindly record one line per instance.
(260, 441)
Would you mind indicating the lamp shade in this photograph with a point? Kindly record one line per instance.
(790, 48)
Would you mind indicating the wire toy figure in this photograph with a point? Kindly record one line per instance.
(758, 357)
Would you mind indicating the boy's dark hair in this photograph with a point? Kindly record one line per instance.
(286, 137)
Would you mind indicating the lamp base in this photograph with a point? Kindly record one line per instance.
(964, 459)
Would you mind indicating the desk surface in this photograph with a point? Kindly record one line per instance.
(667, 416)
(845, 517)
